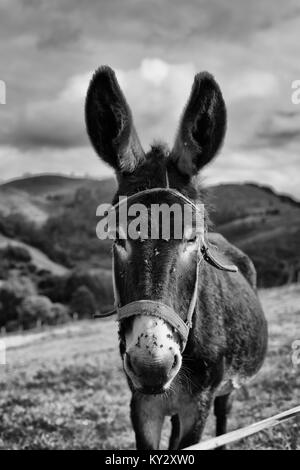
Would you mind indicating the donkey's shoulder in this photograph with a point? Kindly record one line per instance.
(234, 255)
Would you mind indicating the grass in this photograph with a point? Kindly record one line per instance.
(68, 391)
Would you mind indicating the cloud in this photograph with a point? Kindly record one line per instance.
(76, 161)
(252, 83)
(272, 167)
(62, 35)
(281, 129)
(50, 134)
(53, 123)
(156, 89)
(157, 92)
(49, 49)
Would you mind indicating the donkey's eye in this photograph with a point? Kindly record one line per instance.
(192, 239)
(189, 243)
(120, 242)
(190, 235)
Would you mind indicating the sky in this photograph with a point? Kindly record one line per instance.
(49, 50)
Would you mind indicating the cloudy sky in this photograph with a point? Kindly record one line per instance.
(48, 51)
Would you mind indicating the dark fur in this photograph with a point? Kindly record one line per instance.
(228, 338)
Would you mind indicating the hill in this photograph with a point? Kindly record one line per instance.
(264, 224)
(38, 258)
(46, 184)
(38, 197)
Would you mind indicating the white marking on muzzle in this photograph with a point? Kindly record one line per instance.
(151, 331)
(154, 342)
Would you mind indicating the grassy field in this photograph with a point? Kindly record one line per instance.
(67, 390)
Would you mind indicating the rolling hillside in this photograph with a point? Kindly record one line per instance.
(263, 224)
(38, 258)
(38, 197)
(259, 221)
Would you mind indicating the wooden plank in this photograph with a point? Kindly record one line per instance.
(247, 431)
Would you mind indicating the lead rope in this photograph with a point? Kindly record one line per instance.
(167, 180)
(193, 302)
(115, 290)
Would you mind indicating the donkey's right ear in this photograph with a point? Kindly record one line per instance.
(202, 127)
(109, 122)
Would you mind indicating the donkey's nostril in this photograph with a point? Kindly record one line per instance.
(175, 362)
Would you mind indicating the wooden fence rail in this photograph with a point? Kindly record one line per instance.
(233, 436)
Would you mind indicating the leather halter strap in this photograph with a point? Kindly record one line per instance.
(163, 311)
(172, 191)
(157, 308)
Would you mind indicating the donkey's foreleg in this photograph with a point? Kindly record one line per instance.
(192, 419)
(222, 407)
(147, 420)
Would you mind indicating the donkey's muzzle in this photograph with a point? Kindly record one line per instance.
(151, 374)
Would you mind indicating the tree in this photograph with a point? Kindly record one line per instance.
(83, 302)
(60, 313)
(35, 308)
(98, 281)
(12, 292)
(17, 253)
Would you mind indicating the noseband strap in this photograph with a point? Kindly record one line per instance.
(156, 309)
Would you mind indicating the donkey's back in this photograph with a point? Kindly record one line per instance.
(243, 325)
(237, 257)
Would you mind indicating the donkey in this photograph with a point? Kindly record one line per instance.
(191, 329)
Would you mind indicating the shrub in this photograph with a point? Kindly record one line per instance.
(35, 308)
(60, 313)
(54, 287)
(83, 302)
(12, 292)
(17, 253)
(96, 280)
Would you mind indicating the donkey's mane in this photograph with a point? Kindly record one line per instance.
(152, 173)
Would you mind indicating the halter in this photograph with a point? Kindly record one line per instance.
(156, 308)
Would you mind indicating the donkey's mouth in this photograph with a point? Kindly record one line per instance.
(152, 390)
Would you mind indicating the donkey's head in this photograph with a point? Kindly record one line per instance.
(159, 270)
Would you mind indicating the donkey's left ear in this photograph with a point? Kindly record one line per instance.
(109, 123)
(202, 127)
